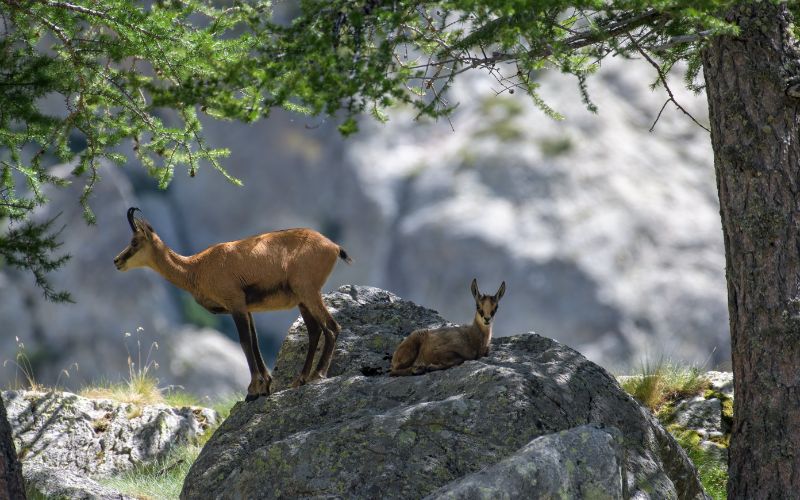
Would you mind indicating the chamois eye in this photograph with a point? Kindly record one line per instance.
(134, 243)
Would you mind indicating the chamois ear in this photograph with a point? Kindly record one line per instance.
(501, 291)
(474, 288)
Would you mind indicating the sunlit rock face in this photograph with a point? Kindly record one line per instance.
(607, 235)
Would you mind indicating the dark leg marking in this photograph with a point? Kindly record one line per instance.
(327, 352)
(243, 328)
(313, 339)
(262, 367)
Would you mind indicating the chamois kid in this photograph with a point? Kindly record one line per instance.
(429, 350)
(270, 271)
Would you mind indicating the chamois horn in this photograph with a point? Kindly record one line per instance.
(130, 218)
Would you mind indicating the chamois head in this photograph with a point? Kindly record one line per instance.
(486, 305)
(140, 250)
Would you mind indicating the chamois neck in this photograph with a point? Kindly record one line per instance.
(172, 266)
(483, 329)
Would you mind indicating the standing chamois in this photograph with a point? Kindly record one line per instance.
(270, 271)
(429, 350)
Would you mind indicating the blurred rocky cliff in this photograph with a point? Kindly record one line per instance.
(607, 235)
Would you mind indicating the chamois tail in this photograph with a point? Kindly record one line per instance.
(343, 255)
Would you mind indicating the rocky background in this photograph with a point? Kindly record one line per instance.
(607, 235)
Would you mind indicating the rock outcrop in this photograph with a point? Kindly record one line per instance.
(359, 436)
(64, 440)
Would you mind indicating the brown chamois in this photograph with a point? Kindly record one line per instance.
(429, 350)
(270, 271)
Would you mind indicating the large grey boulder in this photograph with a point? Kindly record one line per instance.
(65, 440)
(359, 436)
(584, 462)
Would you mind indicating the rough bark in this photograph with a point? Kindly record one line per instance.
(11, 485)
(755, 127)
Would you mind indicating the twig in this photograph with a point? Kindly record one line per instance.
(662, 77)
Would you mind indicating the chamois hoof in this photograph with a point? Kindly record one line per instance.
(317, 376)
(251, 397)
(298, 382)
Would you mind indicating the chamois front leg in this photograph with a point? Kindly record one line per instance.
(256, 385)
(262, 367)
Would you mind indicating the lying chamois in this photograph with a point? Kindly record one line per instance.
(277, 270)
(429, 350)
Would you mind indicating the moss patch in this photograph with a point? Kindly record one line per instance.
(713, 472)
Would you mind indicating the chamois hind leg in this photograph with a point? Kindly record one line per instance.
(406, 354)
(313, 339)
(330, 329)
(266, 378)
(243, 327)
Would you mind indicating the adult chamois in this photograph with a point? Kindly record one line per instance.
(429, 350)
(266, 272)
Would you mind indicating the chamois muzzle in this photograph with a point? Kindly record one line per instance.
(130, 218)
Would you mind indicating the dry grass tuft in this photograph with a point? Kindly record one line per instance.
(663, 383)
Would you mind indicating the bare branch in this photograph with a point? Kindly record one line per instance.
(663, 78)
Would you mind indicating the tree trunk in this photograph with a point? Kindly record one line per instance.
(11, 485)
(755, 132)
